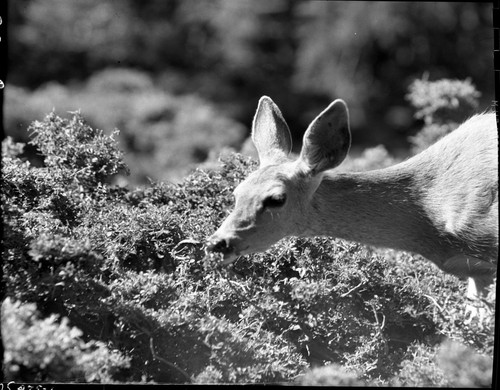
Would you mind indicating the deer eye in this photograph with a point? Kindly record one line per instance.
(274, 201)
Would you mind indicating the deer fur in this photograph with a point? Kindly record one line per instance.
(441, 203)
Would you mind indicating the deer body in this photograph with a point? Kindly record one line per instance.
(441, 203)
(437, 204)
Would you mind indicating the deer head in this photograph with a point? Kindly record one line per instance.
(273, 202)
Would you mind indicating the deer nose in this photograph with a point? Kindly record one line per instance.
(219, 246)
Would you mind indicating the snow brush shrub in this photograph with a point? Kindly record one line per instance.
(127, 269)
(46, 350)
(123, 266)
(442, 105)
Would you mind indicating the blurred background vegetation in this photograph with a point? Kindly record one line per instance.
(181, 79)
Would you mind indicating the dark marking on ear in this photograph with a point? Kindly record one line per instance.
(327, 139)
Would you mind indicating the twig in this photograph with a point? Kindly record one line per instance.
(172, 365)
(434, 301)
(157, 357)
(351, 290)
(380, 327)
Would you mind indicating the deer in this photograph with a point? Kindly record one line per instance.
(441, 203)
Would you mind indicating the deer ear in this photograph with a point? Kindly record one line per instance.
(327, 139)
(270, 133)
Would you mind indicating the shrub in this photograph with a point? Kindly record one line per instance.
(443, 100)
(164, 136)
(443, 105)
(127, 268)
(449, 364)
(46, 350)
(119, 80)
(464, 367)
(331, 375)
(371, 158)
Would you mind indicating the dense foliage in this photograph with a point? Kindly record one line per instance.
(442, 105)
(118, 281)
(304, 54)
(164, 135)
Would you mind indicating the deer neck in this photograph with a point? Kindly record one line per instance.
(377, 207)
